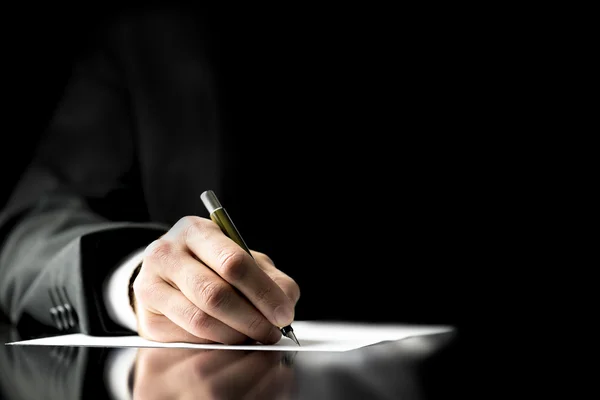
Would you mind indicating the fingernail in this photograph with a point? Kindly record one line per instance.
(283, 316)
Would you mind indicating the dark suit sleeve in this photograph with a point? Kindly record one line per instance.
(79, 208)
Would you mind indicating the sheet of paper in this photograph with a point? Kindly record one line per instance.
(313, 336)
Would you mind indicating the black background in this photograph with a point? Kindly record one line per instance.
(367, 147)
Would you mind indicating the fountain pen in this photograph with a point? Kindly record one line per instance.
(222, 219)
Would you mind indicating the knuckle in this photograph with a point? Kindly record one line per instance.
(194, 228)
(184, 223)
(158, 251)
(163, 254)
(214, 295)
(198, 321)
(232, 264)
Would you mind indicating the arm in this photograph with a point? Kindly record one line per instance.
(81, 209)
(78, 210)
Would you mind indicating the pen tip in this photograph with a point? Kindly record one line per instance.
(293, 337)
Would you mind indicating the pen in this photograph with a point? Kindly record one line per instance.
(220, 217)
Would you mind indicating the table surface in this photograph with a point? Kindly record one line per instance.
(423, 367)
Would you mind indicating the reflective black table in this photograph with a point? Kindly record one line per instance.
(423, 367)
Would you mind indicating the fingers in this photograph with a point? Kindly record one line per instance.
(166, 315)
(207, 278)
(159, 328)
(218, 299)
(287, 284)
(221, 254)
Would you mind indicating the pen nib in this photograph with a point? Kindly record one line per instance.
(291, 335)
(288, 332)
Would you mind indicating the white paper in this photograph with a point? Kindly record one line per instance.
(312, 335)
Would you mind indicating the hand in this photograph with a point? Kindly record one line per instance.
(210, 374)
(197, 285)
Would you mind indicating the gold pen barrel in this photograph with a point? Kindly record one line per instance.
(221, 218)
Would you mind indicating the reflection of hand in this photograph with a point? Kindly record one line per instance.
(197, 285)
(210, 374)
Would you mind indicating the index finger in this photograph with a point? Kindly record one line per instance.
(238, 268)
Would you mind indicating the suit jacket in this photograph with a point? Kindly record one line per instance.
(112, 170)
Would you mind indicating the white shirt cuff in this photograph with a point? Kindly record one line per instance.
(116, 292)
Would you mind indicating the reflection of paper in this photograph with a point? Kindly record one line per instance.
(313, 336)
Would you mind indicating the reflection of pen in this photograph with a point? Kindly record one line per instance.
(221, 218)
